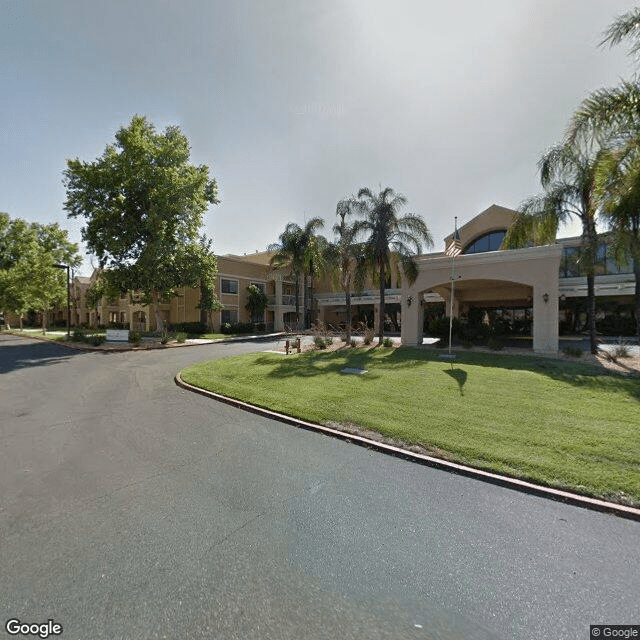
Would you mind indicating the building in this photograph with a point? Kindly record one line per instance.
(534, 284)
(540, 291)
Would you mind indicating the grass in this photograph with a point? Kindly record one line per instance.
(563, 424)
(58, 335)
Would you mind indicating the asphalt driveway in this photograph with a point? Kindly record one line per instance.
(131, 508)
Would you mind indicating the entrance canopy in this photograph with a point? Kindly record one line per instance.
(517, 277)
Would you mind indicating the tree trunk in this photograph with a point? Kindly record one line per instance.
(310, 302)
(591, 313)
(383, 280)
(589, 239)
(297, 301)
(636, 273)
(155, 305)
(44, 322)
(348, 300)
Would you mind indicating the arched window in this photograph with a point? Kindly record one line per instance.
(488, 242)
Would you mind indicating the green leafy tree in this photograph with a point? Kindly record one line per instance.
(296, 250)
(388, 234)
(28, 277)
(206, 269)
(143, 203)
(257, 302)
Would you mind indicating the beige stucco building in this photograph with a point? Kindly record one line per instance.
(541, 287)
(537, 283)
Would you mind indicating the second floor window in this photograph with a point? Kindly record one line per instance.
(228, 286)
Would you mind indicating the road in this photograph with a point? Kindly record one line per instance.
(131, 508)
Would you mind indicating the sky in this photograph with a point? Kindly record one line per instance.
(296, 104)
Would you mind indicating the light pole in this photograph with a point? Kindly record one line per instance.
(66, 266)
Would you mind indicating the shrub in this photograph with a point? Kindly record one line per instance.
(573, 352)
(368, 335)
(387, 342)
(79, 335)
(622, 350)
(164, 337)
(494, 344)
(118, 325)
(181, 336)
(97, 340)
(320, 342)
(238, 327)
(467, 344)
(194, 328)
(135, 337)
(439, 327)
(353, 342)
(615, 325)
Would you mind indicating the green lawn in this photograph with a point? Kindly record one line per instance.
(566, 425)
(59, 335)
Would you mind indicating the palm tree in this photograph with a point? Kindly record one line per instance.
(316, 256)
(612, 115)
(388, 234)
(619, 183)
(295, 251)
(347, 255)
(567, 175)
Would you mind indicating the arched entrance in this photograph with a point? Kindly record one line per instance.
(518, 277)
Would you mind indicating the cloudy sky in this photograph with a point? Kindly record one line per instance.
(295, 104)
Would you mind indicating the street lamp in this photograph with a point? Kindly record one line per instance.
(66, 266)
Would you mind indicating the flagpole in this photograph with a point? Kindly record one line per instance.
(453, 257)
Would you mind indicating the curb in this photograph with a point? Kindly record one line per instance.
(558, 495)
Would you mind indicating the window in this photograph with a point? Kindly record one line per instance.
(228, 316)
(228, 286)
(574, 262)
(488, 242)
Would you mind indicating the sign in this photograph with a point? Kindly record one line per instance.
(117, 335)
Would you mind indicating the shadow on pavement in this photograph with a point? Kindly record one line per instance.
(18, 353)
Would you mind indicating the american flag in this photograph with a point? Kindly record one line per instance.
(455, 246)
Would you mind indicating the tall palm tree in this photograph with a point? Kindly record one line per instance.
(347, 255)
(386, 234)
(612, 116)
(567, 175)
(316, 256)
(294, 251)
(619, 183)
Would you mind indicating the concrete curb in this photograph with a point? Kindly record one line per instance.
(578, 500)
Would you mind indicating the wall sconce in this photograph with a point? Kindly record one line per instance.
(545, 297)
(563, 298)
(409, 301)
